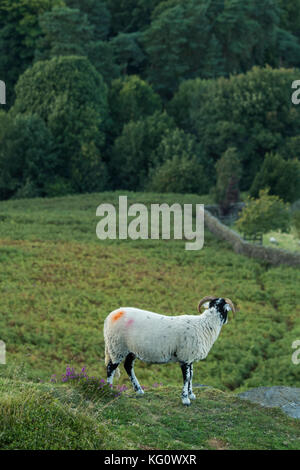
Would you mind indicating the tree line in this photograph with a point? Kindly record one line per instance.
(175, 96)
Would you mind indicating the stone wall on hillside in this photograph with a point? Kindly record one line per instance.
(274, 256)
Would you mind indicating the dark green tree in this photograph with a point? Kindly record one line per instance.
(129, 16)
(229, 172)
(177, 165)
(247, 30)
(282, 177)
(28, 156)
(74, 31)
(128, 52)
(179, 175)
(19, 32)
(290, 16)
(131, 99)
(66, 31)
(252, 112)
(208, 39)
(133, 152)
(286, 51)
(177, 142)
(104, 58)
(178, 43)
(98, 16)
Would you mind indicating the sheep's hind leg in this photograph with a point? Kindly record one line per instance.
(129, 362)
(186, 373)
(111, 370)
(192, 396)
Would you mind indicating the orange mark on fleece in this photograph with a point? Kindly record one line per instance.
(117, 315)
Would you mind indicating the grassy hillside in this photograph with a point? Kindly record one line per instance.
(58, 282)
(286, 241)
(82, 416)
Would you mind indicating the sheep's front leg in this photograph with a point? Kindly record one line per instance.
(192, 396)
(186, 373)
(129, 362)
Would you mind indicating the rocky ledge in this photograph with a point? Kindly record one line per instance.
(287, 398)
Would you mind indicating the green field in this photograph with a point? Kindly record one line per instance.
(285, 241)
(58, 282)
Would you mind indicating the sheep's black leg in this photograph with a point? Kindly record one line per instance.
(185, 368)
(190, 387)
(128, 364)
(111, 369)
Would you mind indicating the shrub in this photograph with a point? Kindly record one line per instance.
(32, 417)
(264, 214)
(58, 186)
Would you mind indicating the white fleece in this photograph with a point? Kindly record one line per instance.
(160, 339)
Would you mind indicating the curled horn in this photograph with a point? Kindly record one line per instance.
(204, 300)
(229, 302)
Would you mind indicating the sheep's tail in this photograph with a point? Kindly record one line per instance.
(107, 359)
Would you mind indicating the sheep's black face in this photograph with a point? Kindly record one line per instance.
(222, 307)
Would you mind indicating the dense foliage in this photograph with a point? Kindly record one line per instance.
(96, 72)
(280, 175)
(28, 156)
(70, 96)
(252, 112)
(228, 170)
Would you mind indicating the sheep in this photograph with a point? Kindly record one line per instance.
(131, 333)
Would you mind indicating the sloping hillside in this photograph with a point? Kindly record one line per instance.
(58, 282)
(47, 416)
